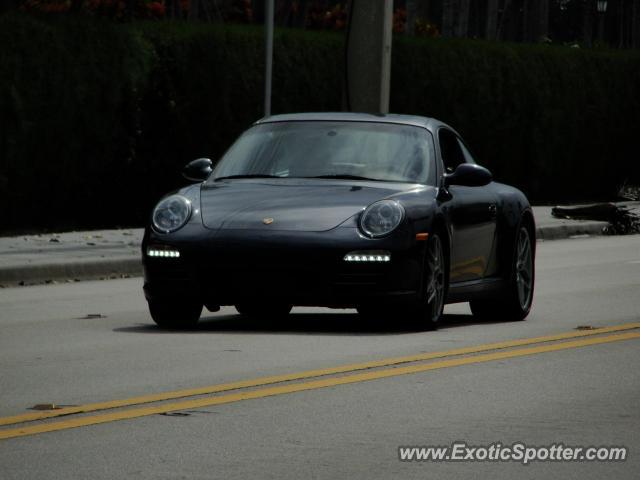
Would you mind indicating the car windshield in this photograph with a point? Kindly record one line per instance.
(322, 149)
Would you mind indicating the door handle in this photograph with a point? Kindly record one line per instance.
(493, 210)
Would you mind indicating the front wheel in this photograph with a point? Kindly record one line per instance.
(426, 312)
(516, 303)
(178, 315)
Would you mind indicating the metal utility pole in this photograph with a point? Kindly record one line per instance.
(268, 70)
(369, 55)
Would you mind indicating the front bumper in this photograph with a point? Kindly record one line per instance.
(296, 268)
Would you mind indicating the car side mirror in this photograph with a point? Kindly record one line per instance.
(469, 175)
(198, 170)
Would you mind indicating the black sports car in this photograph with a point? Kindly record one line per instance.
(384, 213)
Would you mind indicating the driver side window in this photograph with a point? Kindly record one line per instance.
(465, 151)
(450, 151)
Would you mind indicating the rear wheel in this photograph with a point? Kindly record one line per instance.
(516, 303)
(266, 311)
(175, 315)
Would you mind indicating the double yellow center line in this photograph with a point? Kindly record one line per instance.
(309, 380)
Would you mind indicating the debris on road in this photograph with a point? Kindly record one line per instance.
(622, 219)
(45, 406)
(630, 192)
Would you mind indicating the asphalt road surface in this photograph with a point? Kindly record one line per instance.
(322, 395)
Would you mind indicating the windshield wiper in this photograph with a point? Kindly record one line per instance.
(252, 175)
(347, 177)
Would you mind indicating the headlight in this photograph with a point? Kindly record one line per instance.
(171, 213)
(381, 218)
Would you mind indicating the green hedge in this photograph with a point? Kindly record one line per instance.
(561, 123)
(67, 113)
(97, 119)
(208, 87)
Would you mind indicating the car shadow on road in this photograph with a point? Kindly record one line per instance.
(342, 323)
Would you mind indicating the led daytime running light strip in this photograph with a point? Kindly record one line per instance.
(365, 257)
(154, 252)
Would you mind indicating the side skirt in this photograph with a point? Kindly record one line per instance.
(485, 288)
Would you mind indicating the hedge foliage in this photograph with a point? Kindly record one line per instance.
(97, 119)
(560, 123)
(68, 94)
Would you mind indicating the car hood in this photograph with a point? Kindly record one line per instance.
(295, 204)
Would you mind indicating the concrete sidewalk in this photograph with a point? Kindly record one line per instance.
(102, 254)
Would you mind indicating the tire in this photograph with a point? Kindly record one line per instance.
(516, 303)
(264, 311)
(426, 312)
(179, 315)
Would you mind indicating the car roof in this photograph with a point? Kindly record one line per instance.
(414, 120)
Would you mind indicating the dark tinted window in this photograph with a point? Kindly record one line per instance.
(450, 150)
(465, 151)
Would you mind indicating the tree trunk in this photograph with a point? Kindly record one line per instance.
(621, 25)
(462, 23)
(410, 27)
(447, 18)
(283, 16)
(635, 24)
(503, 17)
(257, 7)
(587, 23)
(212, 11)
(173, 8)
(492, 19)
(300, 17)
(194, 9)
(543, 19)
(369, 56)
(536, 20)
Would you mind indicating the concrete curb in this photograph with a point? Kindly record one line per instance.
(558, 232)
(117, 267)
(130, 265)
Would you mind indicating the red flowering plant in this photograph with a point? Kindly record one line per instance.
(422, 27)
(426, 29)
(114, 9)
(326, 18)
(45, 6)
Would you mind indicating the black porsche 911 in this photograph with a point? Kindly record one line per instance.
(388, 214)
